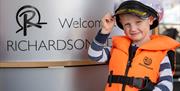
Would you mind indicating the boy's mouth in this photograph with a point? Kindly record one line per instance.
(134, 33)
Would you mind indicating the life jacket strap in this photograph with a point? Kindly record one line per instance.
(131, 81)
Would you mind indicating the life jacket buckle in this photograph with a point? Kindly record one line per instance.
(138, 82)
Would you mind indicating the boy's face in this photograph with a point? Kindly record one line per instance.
(134, 27)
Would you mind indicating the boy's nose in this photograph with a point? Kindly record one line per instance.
(133, 27)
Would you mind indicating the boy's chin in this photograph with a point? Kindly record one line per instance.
(136, 38)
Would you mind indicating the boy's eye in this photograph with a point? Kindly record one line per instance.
(138, 22)
(127, 25)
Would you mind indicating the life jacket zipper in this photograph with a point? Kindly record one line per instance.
(130, 58)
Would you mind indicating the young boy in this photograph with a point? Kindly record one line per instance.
(138, 60)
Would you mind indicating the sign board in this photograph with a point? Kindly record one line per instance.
(43, 30)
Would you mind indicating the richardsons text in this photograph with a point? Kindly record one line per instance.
(48, 45)
(79, 23)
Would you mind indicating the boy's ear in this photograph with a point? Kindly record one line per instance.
(151, 20)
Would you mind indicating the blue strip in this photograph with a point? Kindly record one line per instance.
(96, 47)
(165, 66)
(101, 38)
(168, 78)
(163, 87)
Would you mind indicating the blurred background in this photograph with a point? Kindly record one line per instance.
(170, 26)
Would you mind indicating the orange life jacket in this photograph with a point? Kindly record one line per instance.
(146, 61)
